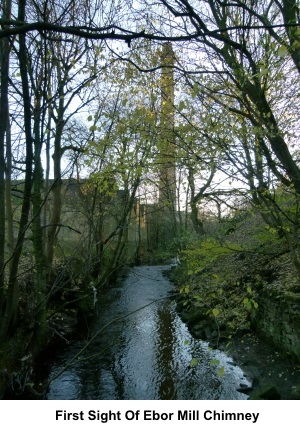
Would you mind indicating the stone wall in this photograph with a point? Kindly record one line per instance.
(278, 321)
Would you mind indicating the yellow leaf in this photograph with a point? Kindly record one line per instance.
(193, 362)
(215, 312)
(282, 51)
(221, 371)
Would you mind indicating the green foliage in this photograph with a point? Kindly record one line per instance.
(220, 279)
(249, 301)
(202, 254)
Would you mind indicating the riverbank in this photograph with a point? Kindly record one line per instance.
(272, 374)
(247, 310)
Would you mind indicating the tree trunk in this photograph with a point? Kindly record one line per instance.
(11, 309)
(4, 118)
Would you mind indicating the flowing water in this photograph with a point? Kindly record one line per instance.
(142, 350)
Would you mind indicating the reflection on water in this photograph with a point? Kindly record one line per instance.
(144, 355)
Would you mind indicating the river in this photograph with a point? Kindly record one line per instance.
(142, 350)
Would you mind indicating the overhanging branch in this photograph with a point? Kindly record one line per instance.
(13, 27)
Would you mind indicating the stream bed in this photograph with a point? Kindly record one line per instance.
(142, 350)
